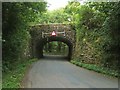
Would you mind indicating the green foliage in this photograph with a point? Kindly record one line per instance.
(96, 25)
(102, 7)
(12, 79)
(56, 16)
(56, 48)
(62, 15)
(112, 44)
(97, 34)
(17, 17)
(96, 68)
(72, 9)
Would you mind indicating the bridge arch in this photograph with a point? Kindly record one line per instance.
(42, 42)
(41, 34)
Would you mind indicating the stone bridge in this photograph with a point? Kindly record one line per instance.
(42, 34)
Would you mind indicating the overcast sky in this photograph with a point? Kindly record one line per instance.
(55, 4)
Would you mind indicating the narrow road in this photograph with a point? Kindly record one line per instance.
(56, 72)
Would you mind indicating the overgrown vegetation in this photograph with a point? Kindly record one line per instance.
(15, 26)
(97, 39)
(96, 68)
(97, 34)
(16, 19)
(13, 78)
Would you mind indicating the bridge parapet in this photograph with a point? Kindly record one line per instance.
(45, 30)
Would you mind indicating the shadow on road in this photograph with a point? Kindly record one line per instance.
(55, 57)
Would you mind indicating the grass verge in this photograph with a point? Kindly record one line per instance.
(96, 68)
(12, 79)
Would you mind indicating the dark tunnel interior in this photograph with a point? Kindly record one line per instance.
(42, 42)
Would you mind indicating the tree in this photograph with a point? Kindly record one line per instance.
(15, 25)
(56, 16)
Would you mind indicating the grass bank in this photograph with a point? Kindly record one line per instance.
(96, 68)
(12, 79)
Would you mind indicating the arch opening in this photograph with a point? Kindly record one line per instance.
(41, 44)
(55, 48)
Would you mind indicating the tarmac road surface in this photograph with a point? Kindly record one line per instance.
(57, 72)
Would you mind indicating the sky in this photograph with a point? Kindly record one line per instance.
(55, 4)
